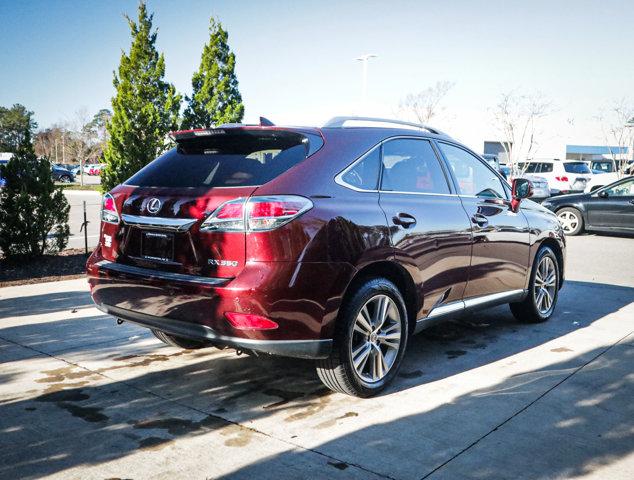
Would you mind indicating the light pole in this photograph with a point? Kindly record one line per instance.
(364, 81)
(630, 124)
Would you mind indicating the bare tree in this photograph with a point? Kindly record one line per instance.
(426, 104)
(617, 127)
(83, 139)
(517, 117)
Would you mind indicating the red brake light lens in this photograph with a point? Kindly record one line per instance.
(562, 179)
(109, 212)
(256, 214)
(248, 321)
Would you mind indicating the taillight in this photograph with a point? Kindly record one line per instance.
(249, 321)
(109, 212)
(257, 214)
(562, 179)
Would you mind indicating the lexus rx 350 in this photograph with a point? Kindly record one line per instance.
(335, 244)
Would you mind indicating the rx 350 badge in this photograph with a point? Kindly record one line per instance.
(222, 263)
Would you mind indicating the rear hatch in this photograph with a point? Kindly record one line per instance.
(579, 174)
(164, 207)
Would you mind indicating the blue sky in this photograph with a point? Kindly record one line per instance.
(295, 58)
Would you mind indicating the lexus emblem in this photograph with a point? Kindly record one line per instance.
(154, 205)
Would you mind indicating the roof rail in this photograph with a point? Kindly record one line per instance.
(339, 122)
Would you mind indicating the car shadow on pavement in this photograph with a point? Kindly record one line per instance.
(44, 303)
(121, 397)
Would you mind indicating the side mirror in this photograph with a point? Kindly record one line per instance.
(521, 188)
(603, 194)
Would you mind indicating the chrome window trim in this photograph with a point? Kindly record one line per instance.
(177, 224)
(339, 177)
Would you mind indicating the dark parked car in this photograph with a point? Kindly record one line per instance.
(335, 244)
(60, 174)
(608, 209)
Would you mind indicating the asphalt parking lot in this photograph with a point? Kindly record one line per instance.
(479, 397)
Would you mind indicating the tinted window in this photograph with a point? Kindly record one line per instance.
(365, 173)
(602, 166)
(241, 158)
(411, 165)
(576, 167)
(474, 177)
(531, 167)
(546, 168)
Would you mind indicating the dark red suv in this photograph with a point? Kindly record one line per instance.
(334, 243)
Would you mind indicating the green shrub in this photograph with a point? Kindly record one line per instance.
(33, 211)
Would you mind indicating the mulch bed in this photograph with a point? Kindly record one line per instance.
(49, 268)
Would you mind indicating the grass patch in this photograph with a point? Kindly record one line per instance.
(72, 186)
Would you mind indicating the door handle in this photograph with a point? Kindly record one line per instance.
(405, 220)
(480, 220)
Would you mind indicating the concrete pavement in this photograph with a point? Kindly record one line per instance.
(481, 397)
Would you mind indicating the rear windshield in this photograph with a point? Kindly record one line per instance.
(576, 167)
(235, 159)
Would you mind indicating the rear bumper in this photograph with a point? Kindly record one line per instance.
(312, 349)
(302, 298)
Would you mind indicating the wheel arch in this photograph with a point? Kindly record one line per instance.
(398, 275)
(554, 245)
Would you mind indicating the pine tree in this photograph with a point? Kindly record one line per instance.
(145, 107)
(215, 96)
(31, 206)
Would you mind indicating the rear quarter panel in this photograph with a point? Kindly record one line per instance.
(543, 226)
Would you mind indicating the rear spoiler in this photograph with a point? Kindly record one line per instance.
(219, 130)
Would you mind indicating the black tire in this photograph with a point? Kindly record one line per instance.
(337, 371)
(179, 342)
(64, 179)
(527, 310)
(566, 214)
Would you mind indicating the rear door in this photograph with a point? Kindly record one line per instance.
(428, 226)
(500, 254)
(164, 205)
(616, 209)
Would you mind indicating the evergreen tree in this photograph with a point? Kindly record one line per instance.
(145, 107)
(31, 206)
(14, 122)
(215, 96)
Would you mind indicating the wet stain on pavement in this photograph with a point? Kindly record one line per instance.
(179, 426)
(89, 414)
(339, 465)
(333, 422)
(285, 395)
(412, 374)
(154, 443)
(451, 354)
(64, 396)
(240, 436)
(316, 403)
(561, 349)
(65, 399)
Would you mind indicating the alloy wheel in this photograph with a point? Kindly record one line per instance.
(569, 221)
(376, 338)
(545, 286)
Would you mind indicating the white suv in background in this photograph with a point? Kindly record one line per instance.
(563, 176)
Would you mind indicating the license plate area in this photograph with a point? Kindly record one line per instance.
(157, 246)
